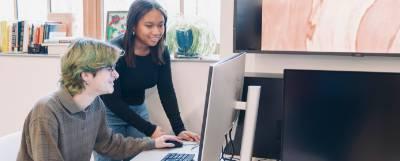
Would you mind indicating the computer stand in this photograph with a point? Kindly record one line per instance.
(250, 121)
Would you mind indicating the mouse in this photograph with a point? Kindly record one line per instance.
(177, 144)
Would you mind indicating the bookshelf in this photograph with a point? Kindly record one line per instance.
(27, 55)
(27, 36)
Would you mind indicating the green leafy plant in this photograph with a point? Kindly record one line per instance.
(204, 42)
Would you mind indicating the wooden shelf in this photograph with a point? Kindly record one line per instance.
(28, 55)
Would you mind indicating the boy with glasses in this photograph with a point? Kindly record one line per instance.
(70, 123)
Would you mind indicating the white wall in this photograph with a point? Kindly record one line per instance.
(23, 81)
(26, 79)
(226, 28)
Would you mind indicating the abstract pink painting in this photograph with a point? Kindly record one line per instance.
(368, 26)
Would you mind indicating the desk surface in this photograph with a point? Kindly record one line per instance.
(188, 147)
(158, 154)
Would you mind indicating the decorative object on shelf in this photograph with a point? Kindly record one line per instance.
(116, 23)
(184, 39)
(64, 18)
(37, 49)
(190, 38)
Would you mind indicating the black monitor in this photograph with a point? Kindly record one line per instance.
(247, 25)
(341, 116)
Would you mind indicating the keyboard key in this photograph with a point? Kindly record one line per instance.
(178, 157)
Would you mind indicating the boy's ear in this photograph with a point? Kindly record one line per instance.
(85, 76)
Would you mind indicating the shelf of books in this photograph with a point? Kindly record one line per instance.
(25, 38)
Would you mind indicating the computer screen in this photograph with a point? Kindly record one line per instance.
(225, 82)
(341, 116)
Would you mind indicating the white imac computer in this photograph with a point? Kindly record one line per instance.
(224, 90)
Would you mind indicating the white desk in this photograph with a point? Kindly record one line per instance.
(188, 147)
(158, 154)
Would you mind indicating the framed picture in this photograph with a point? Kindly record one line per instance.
(116, 23)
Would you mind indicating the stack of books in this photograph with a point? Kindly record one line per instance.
(58, 45)
(28, 37)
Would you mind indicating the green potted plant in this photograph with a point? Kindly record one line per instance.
(190, 38)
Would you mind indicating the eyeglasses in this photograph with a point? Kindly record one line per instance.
(110, 68)
(122, 53)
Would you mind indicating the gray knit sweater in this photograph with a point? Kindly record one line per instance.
(57, 129)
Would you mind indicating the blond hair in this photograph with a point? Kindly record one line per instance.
(85, 55)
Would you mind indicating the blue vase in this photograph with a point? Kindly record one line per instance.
(184, 39)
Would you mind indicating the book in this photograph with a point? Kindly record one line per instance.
(55, 30)
(58, 45)
(62, 18)
(20, 34)
(10, 37)
(56, 49)
(4, 36)
(61, 40)
(26, 39)
(14, 37)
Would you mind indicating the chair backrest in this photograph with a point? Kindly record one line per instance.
(9, 146)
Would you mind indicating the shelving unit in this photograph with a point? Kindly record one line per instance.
(27, 55)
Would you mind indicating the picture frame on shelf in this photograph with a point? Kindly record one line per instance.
(115, 24)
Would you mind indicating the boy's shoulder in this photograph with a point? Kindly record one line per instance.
(45, 107)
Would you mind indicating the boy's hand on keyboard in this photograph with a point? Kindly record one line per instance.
(160, 142)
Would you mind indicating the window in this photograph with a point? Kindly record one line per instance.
(71, 6)
(30, 10)
(172, 7)
(206, 10)
(7, 10)
(38, 13)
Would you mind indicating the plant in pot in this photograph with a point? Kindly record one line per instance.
(190, 38)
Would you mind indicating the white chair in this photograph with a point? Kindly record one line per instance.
(9, 146)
